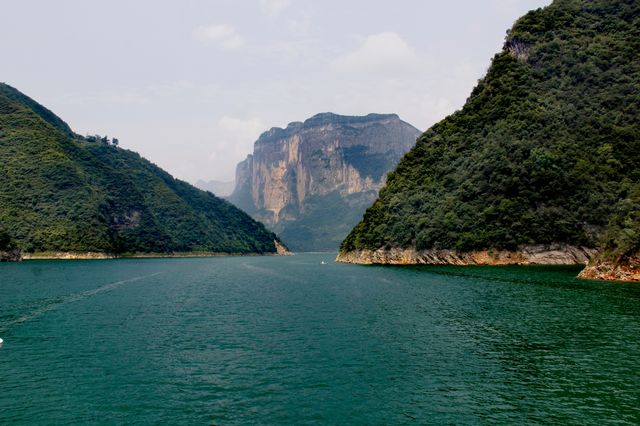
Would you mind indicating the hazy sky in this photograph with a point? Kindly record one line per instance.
(190, 85)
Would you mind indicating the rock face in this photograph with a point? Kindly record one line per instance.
(281, 250)
(12, 255)
(625, 270)
(61, 255)
(527, 255)
(312, 181)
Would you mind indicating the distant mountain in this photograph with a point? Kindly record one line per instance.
(60, 192)
(221, 189)
(541, 165)
(312, 181)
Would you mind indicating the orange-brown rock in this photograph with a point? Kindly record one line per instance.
(528, 255)
(627, 269)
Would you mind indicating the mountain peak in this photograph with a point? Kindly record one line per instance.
(322, 119)
(298, 177)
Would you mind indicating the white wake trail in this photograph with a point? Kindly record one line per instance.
(74, 297)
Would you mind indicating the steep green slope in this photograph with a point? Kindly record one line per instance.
(546, 149)
(59, 192)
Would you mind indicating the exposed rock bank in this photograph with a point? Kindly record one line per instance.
(528, 255)
(13, 255)
(282, 250)
(65, 255)
(629, 270)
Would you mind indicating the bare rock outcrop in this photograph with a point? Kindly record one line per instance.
(528, 255)
(10, 255)
(627, 269)
(281, 250)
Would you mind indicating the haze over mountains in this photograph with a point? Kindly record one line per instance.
(541, 165)
(63, 193)
(216, 187)
(311, 181)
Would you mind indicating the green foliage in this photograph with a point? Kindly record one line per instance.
(61, 192)
(546, 149)
(621, 240)
(6, 242)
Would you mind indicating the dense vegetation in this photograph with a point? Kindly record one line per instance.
(62, 192)
(545, 150)
(6, 242)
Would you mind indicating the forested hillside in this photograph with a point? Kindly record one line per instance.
(63, 192)
(545, 150)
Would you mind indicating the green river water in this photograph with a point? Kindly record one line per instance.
(289, 340)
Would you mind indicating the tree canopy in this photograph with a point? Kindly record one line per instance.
(545, 150)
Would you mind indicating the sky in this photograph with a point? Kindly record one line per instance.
(191, 84)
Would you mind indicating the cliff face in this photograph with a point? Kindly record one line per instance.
(294, 173)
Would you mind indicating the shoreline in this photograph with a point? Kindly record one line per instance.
(608, 270)
(527, 255)
(106, 256)
(553, 254)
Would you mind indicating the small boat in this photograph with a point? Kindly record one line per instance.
(1, 341)
(323, 263)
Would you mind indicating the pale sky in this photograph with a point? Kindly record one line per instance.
(191, 84)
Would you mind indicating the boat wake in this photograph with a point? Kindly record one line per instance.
(55, 303)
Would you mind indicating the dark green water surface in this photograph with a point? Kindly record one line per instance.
(287, 340)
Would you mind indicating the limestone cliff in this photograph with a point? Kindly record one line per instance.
(311, 181)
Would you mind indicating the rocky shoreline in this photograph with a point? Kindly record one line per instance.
(13, 255)
(597, 269)
(628, 270)
(63, 255)
(527, 255)
(281, 250)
